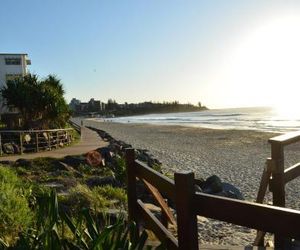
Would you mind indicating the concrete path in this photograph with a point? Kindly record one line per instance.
(90, 140)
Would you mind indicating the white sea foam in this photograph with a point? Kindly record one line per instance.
(258, 118)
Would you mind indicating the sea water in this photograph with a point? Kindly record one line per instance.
(258, 118)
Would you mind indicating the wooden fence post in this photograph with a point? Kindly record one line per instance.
(21, 142)
(49, 140)
(131, 184)
(278, 184)
(186, 216)
(37, 141)
(57, 139)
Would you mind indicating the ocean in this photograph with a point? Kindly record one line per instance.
(258, 118)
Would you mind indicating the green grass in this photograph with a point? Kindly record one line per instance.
(82, 197)
(112, 193)
(15, 213)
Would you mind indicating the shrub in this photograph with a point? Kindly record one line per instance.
(112, 193)
(120, 169)
(15, 213)
(84, 232)
(83, 197)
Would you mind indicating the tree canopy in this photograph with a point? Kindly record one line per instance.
(40, 103)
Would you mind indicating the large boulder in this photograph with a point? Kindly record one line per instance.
(214, 185)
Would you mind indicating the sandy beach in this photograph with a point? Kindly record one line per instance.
(236, 156)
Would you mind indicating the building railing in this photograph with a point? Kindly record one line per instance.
(283, 222)
(26, 141)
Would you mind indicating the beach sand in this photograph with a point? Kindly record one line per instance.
(236, 156)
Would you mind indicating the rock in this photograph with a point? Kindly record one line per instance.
(212, 185)
(105, 153)
(74, 161)
(201, 219)
(16, 148)
(102, 181)
(231, 191)
(24, 162)
(8, 148)
(94, 158)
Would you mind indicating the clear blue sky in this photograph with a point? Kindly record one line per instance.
(218, 52)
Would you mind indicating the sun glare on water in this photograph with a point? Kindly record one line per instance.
(265, 66)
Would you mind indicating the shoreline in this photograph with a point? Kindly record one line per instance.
(202, 150)
(236, 156)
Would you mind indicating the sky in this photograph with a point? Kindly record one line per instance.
(222, 53)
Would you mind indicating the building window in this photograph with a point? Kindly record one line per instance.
(13, 61)
(10, 77)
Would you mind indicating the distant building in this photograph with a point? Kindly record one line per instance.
(93, 106)
(11, 67)
(74, 104)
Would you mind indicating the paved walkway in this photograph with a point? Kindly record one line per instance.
(90, 140)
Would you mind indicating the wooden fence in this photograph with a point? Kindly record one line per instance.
(282, 222)
(275, 176)
(23, 141)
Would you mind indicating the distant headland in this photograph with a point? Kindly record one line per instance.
(112, 108)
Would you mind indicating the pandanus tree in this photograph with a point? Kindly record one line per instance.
(40, 103)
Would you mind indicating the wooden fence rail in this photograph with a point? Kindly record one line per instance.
(22, 141)
(280, 221)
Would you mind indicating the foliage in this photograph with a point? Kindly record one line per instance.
(15, 213)
(98, 198)
(120, 169)
(149, 107)
(82, 197)
(40, 102)
(52, 223)
(112, 193)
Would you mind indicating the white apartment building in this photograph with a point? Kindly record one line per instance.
(12, 66)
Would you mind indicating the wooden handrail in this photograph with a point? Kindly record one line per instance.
(283, 221)
(285, 139)
(292, 173)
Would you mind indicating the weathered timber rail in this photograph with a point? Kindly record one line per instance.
(280, 221)
(26, 141)
(276, 176)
